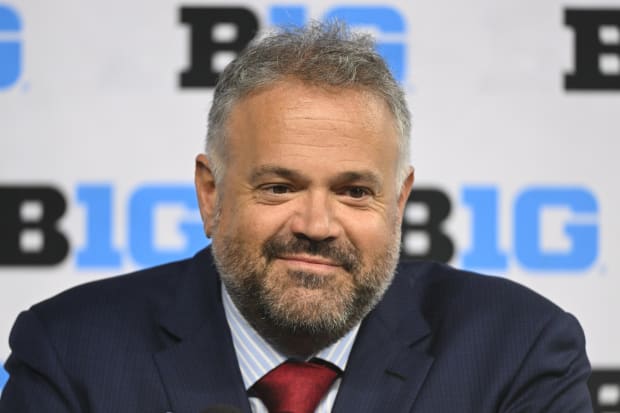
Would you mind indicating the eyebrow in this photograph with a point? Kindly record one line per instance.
(360, 176)
(267, 170)
(348, 176)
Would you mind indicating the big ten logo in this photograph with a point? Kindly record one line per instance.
(596, 49)
(218, 34)
(569, 214)
(10, 47)
(162, 223)
(604, 387)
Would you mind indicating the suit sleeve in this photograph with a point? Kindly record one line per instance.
(553, 377)
(37, 381)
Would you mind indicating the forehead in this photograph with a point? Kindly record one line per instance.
(290, 122)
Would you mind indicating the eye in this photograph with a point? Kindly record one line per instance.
(357, 192)
(277, 189)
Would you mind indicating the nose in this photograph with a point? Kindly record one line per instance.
(315, 219)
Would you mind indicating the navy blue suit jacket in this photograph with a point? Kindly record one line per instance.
(441, 340)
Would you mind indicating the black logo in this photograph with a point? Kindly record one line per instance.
(605, 390)
(205, 46)
(597, 49)
(437, 207)
(28, 218)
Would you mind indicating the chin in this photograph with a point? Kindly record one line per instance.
(310, 310)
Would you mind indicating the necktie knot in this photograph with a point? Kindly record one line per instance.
(294, 386)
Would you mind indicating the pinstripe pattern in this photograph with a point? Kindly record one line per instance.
(256, 357)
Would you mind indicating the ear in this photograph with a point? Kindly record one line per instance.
(405, 190)
(206, 192)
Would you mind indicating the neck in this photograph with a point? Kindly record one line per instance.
(295, 344)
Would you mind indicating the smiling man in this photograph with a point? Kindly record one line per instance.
(305, 217)
(300, 304)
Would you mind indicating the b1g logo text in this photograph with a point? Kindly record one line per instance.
(530, 210)
(161, 223)
(218, 34)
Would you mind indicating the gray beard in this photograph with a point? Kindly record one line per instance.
(289, 329)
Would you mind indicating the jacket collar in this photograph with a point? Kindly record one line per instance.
(198, 365)
(390, 359)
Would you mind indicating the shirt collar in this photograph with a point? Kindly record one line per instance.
(257, 357)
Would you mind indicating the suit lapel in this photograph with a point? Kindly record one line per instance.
(198, 365)
(389, 360)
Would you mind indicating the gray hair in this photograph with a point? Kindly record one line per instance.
(324, 54)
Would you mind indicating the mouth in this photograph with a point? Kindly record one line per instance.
(310, 263)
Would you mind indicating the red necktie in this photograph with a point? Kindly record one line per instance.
(294, 386)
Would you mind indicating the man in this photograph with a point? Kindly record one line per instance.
(302, 191)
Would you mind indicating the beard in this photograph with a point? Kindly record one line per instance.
(282, 303)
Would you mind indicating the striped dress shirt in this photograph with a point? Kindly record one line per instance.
(257, 357)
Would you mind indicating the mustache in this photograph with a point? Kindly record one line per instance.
(346, 257)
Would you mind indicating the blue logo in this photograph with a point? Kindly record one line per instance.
(10, 47)
(4, 377)
(578, 207)
(387, 22)
(142, 225)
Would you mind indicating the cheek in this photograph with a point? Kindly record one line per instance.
(255, 223)
(369, 233)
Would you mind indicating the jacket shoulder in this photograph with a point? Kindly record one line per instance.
(447, 293)
(127, 290)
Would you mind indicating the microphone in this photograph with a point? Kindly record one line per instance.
(222, 408)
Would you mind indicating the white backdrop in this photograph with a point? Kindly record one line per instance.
(91, 106)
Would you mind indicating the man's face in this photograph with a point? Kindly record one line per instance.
(305, 222)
